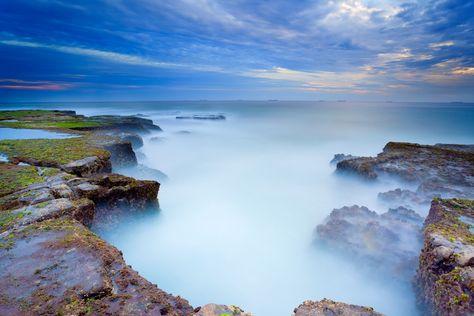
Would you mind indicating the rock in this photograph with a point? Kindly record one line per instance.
(445, 277)
(134, 139)
(87, 166)
(219, 310)
(60, 267)
(403, 197)
(125, 123)
(441, 170)
(202, 117)
(391, 240)
(340, 157)
(403, 214)
(156, 139)
(143, 172)
(121, 154)
(466, 148)
(327, 307)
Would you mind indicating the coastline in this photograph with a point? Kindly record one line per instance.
(91, 181)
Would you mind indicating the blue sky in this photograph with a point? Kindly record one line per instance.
(58, 50)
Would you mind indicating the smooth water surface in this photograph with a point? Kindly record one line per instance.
(245, 194)
(22, 133)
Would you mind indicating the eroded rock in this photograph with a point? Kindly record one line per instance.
(442, 170)
(391, 240)
(327, 307)
(445, 276)
(60, 267)
(340, 157)
(219, 310)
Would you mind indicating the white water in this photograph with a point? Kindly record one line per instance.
(244, 195)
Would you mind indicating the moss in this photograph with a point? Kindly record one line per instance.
(51, 152)
(14, 177)
(449, 225)
(73, 124)
(22, 114)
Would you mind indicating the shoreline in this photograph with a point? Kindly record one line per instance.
(92, 181)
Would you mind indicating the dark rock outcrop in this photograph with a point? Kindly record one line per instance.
(213, 117)
(327, 307)
(87, 166)
(445, 276)
(59, 267)
(391, 240)
(340, 157)
(131, 124)
(438, 171)
(50, 263)
(219, 310)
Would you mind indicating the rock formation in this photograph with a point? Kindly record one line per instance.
(437, 171)
(213, 117)
(220, 310)
(391, 240)
(327, 307)
(445, 276)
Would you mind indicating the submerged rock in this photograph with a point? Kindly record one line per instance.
(220, 310)
(445, 276)
(202, 117)
(391, 240)
(327, 307)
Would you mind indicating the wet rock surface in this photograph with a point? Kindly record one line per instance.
(445, 276)
(213, 117)
(443, 170)
(50, 262)
(341, 157)
(327, 307)
(131, 124)
(60, 267)
(391, 240)
(219, 310)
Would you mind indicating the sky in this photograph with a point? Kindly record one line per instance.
(58, 50)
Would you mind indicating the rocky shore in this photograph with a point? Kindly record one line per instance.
(445, 275)
(53, 190)
(441, 245)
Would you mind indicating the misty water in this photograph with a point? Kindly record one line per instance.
(244, 195)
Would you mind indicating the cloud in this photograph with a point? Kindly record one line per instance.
(16, 84)
(464, 71)
(111, 56)
(441, 44)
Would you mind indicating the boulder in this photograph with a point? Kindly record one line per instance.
(87, 166)
(219, 310)
(340, 157)
(391, 240)
(327, 307)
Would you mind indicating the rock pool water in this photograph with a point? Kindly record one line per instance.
(20, 133)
